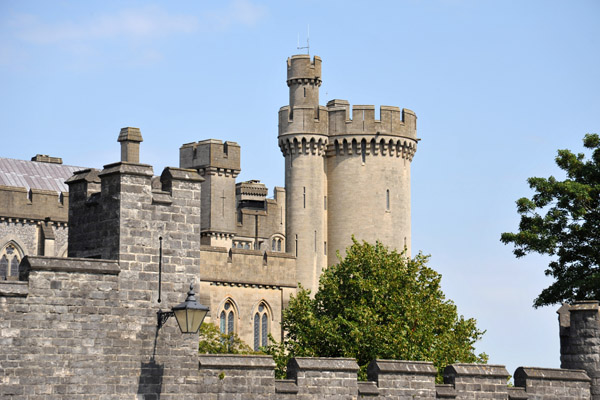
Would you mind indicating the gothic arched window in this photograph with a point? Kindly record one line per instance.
(261, 326)
(10, 258)
(227, 318)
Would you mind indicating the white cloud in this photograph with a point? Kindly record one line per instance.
(147, 22)
(238, 12)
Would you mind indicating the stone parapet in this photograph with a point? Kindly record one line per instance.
(565, 384)
(403, 378)
(33, 204)
(475, 381)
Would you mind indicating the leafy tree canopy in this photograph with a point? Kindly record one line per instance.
(212, 341)
(378, 304)
(562, 219)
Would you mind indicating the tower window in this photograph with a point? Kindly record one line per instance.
(296, 245)
(325, 248)
(304, 196)
(304, 92)
(387, 199)
(325, 203)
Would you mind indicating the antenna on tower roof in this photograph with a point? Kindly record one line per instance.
(307, 47)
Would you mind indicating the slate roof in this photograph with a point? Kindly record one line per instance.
(35, 175)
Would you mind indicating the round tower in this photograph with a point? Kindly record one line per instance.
(368, 175)
(303, 140)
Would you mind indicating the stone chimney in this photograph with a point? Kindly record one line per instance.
(130, 139)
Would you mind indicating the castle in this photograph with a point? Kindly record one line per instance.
(85, 326)
(253, 250)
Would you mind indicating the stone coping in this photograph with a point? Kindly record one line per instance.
(80, 265)
(445, 391)
(181, 174)
(323, 364)
(484, 370)
(236, 361)
(124, 167)
(401, 367)
(585, 305)
(368, 389)
(14, 288)
(550, 374)
(286, 386)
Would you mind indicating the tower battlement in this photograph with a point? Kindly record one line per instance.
(211, 154)
(301, 68)
(393, 121)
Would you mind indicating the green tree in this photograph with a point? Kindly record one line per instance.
(378, 304)
(212, 341)
(562, 219)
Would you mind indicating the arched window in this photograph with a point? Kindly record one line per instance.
(261, 326)
(227, 318)
(10, 258)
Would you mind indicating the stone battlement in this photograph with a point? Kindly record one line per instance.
(33, 204)
(392, 122)
(301, 69)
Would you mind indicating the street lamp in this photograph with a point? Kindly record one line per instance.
(189, 314)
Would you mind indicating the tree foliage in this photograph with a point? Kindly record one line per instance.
(212, 341)
(562, 219)
(378, 304)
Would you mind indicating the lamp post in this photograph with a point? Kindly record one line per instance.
(189, 314)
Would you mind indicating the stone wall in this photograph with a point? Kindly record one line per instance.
(86, 329)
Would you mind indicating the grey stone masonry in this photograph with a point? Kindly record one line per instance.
(224, 377)
(325, 378)
(548, 383)
(403, 379)
(580, 340)
(478, 381)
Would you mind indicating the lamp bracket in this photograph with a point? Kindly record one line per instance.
(163, 316)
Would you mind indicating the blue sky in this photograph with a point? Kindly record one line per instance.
(498, 87)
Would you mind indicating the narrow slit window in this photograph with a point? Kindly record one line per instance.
(387, 199)
(304, 196)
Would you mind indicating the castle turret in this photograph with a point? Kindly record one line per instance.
(219, 164)
(303, 140)
(368, 175)
(346, 173)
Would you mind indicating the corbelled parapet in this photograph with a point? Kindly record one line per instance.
(251, 190)
(130, 139)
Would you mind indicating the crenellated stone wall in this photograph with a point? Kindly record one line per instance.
(86, 329)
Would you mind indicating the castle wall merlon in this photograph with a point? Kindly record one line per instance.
(210, 153)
